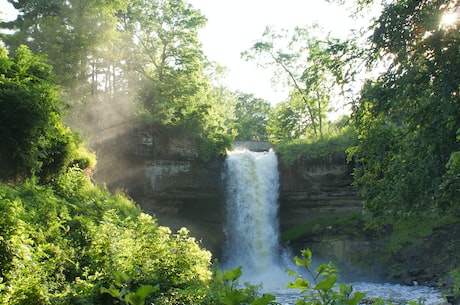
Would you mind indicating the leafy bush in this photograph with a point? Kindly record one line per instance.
(34, 139)
(214, 146)
(320, 290)
(298, 149)
(62, 243)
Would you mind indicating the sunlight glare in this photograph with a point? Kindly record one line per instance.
(449, 19)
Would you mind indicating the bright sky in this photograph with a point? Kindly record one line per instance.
(234, 25)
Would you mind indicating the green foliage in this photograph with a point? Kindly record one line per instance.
(305, 62)
(126, 57)
(173, 89)
(287, 122)
(320, 289)
(129, 297)
(406, 234)
(62, 243)
(215, 145)
(455, 274)
(408, 117)
(251, 117)
(70, 33)
(293, 151)
(450, 185)
(232, 294)
(34, 140)
(168, 57)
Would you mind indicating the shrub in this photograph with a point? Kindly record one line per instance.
(34, 139)
(295, 150)
(62, 243)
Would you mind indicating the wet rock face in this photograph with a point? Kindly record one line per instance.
(319, 187)
(166, 178)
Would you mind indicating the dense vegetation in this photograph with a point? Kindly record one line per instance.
(65, 241)
(62, 243)
(408, 119)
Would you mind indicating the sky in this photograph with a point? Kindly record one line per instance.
(234, 25)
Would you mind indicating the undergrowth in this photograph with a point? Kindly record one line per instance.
(292, 151)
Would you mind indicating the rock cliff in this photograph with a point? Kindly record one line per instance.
(167, 178)
(317, 187)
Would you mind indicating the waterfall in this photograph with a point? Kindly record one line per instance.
(252, 184)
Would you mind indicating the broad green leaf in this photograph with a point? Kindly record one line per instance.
(302, 262)
(345, 289)
(120, 278)
(357, 297)
(326, 283)
(233, 274)
(264, 300)
(233, 298)
(145, 290)
(134, 299)
(306, 254)
(112, 291)
(323, 268)
(299, 283)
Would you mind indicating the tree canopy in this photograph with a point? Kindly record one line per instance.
(136, 58)
(34, 140)
(302, 60)
(408, 118)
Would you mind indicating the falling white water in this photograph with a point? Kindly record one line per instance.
(252, 184)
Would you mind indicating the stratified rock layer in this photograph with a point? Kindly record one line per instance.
(166, 177)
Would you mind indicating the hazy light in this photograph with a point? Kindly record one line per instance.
(449, 19)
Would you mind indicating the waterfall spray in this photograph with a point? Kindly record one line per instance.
(252, 185)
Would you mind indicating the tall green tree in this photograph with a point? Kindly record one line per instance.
(34, 140)
(73, 34)
(167, 54)
(302, 58)
(288, 120)
(408, 118)
(251, 117)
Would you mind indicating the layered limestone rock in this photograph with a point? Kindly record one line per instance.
(317, 187)
(167, 178)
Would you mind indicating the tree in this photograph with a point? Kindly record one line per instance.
(73, 34)
(34, 140)
(408, 118)
(304, 63)
(288, 121)
(251, 117)
(166, 54)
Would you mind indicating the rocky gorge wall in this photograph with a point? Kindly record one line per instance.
(317, 187)
(166, 177)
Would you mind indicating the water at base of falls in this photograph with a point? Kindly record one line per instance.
(396, 294)
(252, 229)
